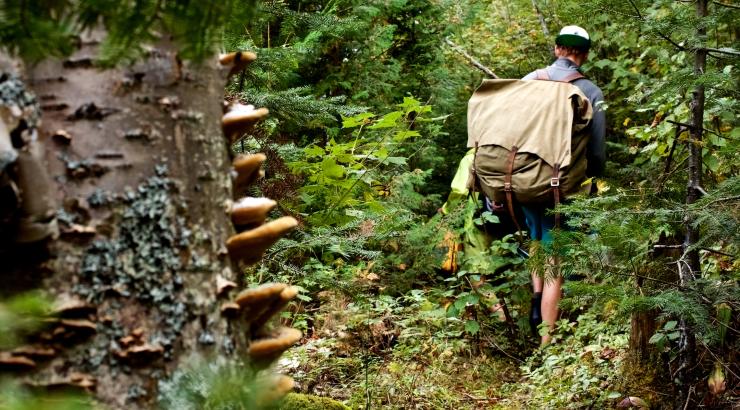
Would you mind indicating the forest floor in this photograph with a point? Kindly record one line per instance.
(383, 355)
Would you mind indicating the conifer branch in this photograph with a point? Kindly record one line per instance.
(661, 35)
(471, 59)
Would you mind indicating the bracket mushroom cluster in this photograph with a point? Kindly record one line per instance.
(69, 322)
(254, 307)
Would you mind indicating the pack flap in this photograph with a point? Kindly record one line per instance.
(536, 116)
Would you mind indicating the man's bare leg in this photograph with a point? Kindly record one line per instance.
(550, 300)
(537, 282)
(535, 314)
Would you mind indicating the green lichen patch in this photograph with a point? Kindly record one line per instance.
(143, 261)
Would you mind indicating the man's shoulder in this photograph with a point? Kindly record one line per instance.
(589, 88)
(530, 76)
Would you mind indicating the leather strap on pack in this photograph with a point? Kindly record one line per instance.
(575, 75)
(555, 185)
(474, 185)
(508, 190)
(542, 74)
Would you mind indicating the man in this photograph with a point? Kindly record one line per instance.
(571, 49)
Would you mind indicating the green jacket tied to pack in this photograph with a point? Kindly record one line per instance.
(529, 140)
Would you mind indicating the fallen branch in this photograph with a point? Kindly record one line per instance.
(471, 59)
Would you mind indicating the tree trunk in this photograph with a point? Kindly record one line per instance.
(142, 186)
(641, 330)
(691, 267)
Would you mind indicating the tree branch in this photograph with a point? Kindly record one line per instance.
(545, 31)
(661, 35)
(723, 50)
(690, 127)
(732, 6)
(471, 59)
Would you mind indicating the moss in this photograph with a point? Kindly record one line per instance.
(296, 401)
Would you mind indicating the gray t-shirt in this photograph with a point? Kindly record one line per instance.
(596, 150)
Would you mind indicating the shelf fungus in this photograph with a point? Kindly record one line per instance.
(240, 119)
(247, 168)
(250, 211)
(253, 299)
(230, 309)
(223, 285)
(142, 354)
(70, 308)
(236, 61)
(249, 246)
(274, 307)
(279, 386)
(69, 331)
(268, 349)
(11, 363)
(34, 352)
(63, 137)
(79, 383)
(80, 232)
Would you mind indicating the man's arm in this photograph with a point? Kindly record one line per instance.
(596, 149)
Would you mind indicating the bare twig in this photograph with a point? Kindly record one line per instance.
(545, 31)
(690, 127)
(688, 398)
(732, 6)
(471, 59)
(728, 51)
(667, 246)
(493, 342)
(726, 199)
(718, 359)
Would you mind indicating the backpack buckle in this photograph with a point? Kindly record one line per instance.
(554, 182)
(507, 186)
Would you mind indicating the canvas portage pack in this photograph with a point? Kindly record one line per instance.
(529, 139)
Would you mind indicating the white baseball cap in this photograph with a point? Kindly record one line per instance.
(573, 36)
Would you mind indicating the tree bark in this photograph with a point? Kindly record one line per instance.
(142, 187)
(691, 268)
(642, 328)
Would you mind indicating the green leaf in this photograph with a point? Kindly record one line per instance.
(313, 151)
(670, 325)
(472, 327)
(712, 162)
(357, 120)
(389, 120)
(404, 135)
(330, 168)
(657, 338)
(396, 160)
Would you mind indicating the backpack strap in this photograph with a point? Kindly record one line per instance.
(508, 190)
(542, 74)
(555, 185)
(576, 75)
